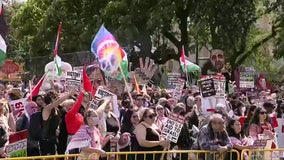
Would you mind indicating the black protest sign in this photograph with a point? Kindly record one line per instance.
(207, 87)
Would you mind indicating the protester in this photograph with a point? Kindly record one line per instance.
(87, 139)
(260, 124)
(23, 122)
(213, 137)
(161, 118)
(50, 123)
(238, 139)
(148, 136)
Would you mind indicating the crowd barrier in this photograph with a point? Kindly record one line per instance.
(51, 157)
(172, 155)
(262, 154)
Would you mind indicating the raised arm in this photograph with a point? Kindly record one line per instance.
(47, 109)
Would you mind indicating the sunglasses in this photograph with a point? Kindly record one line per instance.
(159, 108)
(151, 116)
(139, 99)
(135, 116)
(99, 81)
(262, 112)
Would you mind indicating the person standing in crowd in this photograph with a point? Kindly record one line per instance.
(23, 122)
(187, 135)
(50, 123)
(246, 120)
(63, 135)
(161, 119)
(213, 137)
(237, 138)
(88, 139)
(260, 124)
(148, 136)
(38, 99)
(4, 130)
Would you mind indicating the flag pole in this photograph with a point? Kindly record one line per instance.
(124, 79)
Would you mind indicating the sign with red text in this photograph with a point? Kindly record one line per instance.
(173, 127)
(17, 146)
(17, 107)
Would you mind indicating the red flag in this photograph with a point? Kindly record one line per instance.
(36, 89)
(88, 87)
(57, 40)
(183, 57)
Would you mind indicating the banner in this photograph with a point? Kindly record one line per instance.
(17, 146)
(173, 127)
(207, 87)
(17, 107)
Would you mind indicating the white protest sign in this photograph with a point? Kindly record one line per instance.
(246, 80)
(178, 88)
(280, 132)
(73, 79)
(17, 107)
(100, 93)
(173, 127)
(17, 146)
(173, 80)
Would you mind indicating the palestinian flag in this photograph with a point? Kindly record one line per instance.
(3, 49)
(188, 66)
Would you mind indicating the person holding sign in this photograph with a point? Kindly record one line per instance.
(260, 127)
(148, 136)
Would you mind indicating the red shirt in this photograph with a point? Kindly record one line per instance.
(73, 119)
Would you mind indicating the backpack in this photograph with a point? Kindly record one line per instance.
(35, 127)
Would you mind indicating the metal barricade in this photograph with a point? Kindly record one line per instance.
(51, 157)
(262, 154)
(173, 155)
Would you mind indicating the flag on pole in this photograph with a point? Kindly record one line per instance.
(36, 89)
(88, 87)
(183, 59)
(57, 59)
(188, 66)
(3, 49)
(109, 53)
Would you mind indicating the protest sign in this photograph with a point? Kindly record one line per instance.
(17, 146)
(178, 88)
(246, 80)
(100, 93)
(17, 107)
(73, 79)
(173, 80)
(207, 87)
(219, 84)
(173, 127)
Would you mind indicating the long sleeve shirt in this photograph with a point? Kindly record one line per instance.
(207, 142)
(73, 119)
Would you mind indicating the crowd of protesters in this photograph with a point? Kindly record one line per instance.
(66, 124)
